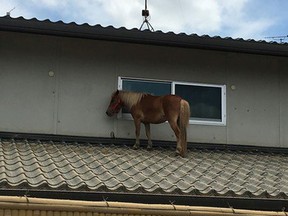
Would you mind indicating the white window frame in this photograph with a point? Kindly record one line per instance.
(173, 83)
(223, 103)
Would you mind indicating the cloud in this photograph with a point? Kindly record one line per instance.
(257, 28)
(127, 14)
(50, 4)
(213, 17)
(237, 20)
(186, 16)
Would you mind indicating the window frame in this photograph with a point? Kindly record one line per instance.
(222, 122)
(223, 102)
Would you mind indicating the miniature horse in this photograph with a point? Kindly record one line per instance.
(148, 109)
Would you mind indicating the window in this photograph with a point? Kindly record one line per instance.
(207, 101)
(147, 86)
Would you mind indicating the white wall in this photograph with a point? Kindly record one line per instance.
(74, 100)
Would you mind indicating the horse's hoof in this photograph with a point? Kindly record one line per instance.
(136, 147)
(183, 155)
(149, 148)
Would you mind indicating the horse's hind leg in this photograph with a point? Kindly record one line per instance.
(148, 134)
(176, 129)
(137, 123)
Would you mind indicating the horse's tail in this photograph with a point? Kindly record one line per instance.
(183, 123)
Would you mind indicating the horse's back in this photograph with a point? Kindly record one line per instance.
(161, 102)
(171, 103)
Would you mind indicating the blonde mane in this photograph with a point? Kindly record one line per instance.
(130, 98)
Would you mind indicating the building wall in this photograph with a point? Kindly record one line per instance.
(56, 85)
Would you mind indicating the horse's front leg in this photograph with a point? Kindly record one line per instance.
(148, 134)
(137, 123)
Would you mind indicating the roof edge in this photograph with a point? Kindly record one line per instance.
(131, 142)
(97, 32)
(207, 201)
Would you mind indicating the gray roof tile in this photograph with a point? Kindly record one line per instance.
(40, 165)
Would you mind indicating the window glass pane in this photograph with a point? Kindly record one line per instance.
(205, 101)
(151, 87)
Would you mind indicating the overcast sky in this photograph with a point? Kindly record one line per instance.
(248, 19)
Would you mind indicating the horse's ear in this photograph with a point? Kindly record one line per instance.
(117, 92)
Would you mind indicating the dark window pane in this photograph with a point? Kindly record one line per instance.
(205, 101)
(151, 87)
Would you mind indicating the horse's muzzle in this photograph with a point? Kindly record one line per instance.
(109, 113)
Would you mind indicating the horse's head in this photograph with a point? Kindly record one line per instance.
(115, 104)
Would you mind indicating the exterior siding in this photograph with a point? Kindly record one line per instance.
(73, 101)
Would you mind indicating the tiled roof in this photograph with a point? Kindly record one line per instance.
(122, 34)
(67, 166)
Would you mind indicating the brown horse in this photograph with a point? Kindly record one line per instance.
(148, 109)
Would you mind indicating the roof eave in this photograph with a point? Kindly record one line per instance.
(159, 38)
(267, 204)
